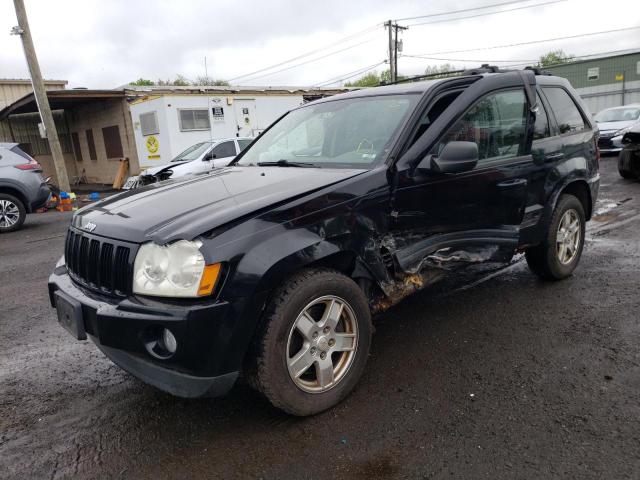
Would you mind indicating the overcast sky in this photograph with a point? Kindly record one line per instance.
(98, 44)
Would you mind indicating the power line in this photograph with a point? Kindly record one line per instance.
(485, 14)
(347, 76)
(466, 59)
(311, 52)
(451, 12)
(526, 43)
(309, 61)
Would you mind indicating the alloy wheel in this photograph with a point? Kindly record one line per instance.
(568, 237)
(322, 344)
(9, 214)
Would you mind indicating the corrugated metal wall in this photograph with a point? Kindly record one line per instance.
(12, 90)
(604, 82)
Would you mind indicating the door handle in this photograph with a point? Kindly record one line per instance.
(516, 182)
(553, 157)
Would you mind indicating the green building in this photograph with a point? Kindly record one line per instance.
(604, 82)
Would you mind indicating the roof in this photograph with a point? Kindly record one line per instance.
(59, 99)
(592, 58)
(23, 81)
(225, 90)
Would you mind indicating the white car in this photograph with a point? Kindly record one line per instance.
(613, 123)
(198, 158)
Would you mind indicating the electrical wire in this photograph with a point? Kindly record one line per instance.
(309, 61)
(446, 20)
(425, 55)
(311, 52)
(347, 76)
(452, 12)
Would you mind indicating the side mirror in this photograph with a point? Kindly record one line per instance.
(455, 157)
(209, 156)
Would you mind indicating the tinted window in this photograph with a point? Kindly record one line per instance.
(541, 127)
(496, 124)
(567, 114)
(243, 144)
(226, 149)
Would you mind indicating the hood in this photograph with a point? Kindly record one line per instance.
(184, 209)
(611, 127)
(155, 170)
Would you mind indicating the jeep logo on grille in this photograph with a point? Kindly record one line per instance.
(90, 227)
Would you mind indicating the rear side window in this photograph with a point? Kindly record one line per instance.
(19, 151)
(496, 124)
(541, 127)
(567, 114)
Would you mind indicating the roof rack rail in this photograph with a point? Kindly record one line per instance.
(486, 68)
(538, 71)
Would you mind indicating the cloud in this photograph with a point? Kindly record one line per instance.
(105, 44)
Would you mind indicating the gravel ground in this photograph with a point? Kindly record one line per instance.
(500, 376)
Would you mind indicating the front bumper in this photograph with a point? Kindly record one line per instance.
(610, 144)
(118, 326)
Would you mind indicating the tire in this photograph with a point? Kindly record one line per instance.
(549, 260)
(280, 341)
(12, 213)
(626, 165)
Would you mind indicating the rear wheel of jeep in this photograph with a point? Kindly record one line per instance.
(12, 213)
(313, 344)
(558, 255)
(629, 165)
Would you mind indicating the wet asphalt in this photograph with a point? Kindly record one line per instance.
(494, 376)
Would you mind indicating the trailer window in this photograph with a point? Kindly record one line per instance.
(194, 119)
(149, 123)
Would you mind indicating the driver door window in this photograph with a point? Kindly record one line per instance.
(226, 149)
(496, 123)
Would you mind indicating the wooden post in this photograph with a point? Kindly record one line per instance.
(41, 96)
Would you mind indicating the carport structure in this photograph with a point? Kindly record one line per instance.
(94, 126)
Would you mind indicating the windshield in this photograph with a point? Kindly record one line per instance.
(193, 152)
(349, 133)
(618, 115)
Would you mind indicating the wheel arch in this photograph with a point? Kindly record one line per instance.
(16, 192)
(579, 189)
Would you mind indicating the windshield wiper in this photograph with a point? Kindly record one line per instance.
(287, 163)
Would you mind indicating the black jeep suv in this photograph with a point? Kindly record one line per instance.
(274, 265)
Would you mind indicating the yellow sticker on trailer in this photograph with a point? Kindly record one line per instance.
(152, 144)
(619, 77)
(153, 157)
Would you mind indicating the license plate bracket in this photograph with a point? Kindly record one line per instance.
(70, 315)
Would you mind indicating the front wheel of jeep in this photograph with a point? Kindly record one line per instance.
(313, 343)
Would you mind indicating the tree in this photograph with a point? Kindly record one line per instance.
(555, 57)
(204, 80)
(371, 79)
(142, 82)
(439, 71)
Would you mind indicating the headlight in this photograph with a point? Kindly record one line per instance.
(174, 270)
(622, 131)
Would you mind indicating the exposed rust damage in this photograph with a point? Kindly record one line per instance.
(396, 284)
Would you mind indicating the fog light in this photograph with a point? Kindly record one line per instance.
(169, 341)
(160, 342)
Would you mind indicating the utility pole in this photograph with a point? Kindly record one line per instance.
(41, 95)
(396, 27)
(389, 25)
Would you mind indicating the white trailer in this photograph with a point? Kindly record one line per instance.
(167, 121)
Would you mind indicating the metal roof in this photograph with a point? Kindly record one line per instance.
(59, 99)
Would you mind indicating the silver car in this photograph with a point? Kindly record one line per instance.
(613, 123)
(22, 188)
